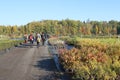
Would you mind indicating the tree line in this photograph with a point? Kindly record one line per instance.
(64, 27)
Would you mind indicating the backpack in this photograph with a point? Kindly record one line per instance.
(38, 39)
(31, 37)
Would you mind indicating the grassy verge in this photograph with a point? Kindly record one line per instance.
(4, 44)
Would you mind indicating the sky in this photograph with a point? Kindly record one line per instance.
(21, 12)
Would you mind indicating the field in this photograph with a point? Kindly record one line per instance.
(92, 59)
(7, 43)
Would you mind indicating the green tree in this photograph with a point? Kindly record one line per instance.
(14, 29)
(118, 28)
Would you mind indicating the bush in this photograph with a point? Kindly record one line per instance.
(92, 60)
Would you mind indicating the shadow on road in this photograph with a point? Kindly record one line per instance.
(26, 45)
(46, 64)
(48, 69)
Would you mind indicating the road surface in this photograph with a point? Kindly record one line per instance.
(27, 62)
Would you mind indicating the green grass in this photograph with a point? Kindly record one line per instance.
(8, 43)
(73, 40)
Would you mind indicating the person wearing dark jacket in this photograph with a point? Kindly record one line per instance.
(43, 38)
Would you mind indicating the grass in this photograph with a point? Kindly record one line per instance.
(5, 43)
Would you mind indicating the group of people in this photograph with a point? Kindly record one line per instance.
(39, 38)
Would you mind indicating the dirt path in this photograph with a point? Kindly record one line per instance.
(28, 63)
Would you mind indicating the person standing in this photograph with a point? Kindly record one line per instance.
(31, 38)
(38, 39)
(25, 38)
(43, 38)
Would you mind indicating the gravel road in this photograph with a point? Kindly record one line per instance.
(28, 63)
